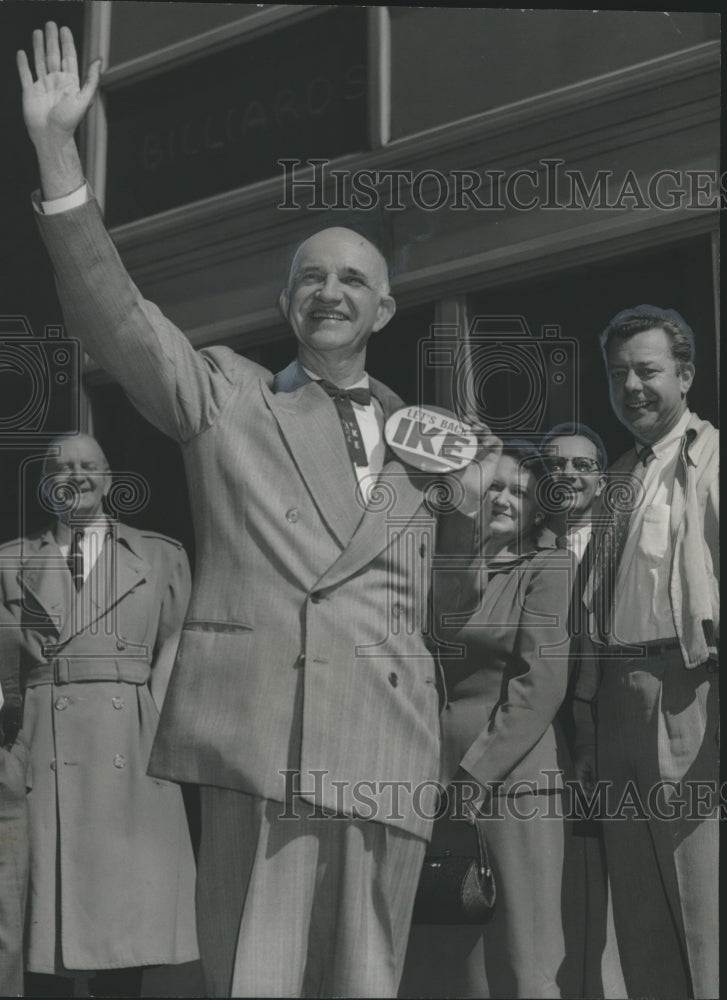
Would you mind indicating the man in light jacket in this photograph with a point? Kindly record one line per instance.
(654, 594)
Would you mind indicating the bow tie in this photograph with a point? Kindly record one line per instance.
(362, 395)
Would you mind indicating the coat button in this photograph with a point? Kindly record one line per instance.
(292, 515)
(119, 760)
(117, 702)
(62, 702)
(120, 644)
(53, 764)
(393, 679)
(300, 662)
(317, 596)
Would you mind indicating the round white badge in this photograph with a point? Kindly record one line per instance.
(430, 438)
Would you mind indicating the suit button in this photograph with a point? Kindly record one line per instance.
(120, 644)
(300, 662)
(393, 679)
(317, 596)
(119, 760)
(53, 764)
(62, 703)
(291, 515)
(117, 702)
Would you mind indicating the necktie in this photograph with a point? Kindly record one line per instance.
(644, 455)
(75, 559)
(344, 400)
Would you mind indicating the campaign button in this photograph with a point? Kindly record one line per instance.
(430, 439)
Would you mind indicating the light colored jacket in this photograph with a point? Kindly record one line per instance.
(694, 569)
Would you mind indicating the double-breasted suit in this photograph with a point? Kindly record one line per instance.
(303, 649)
(303, 645)
(112, 869)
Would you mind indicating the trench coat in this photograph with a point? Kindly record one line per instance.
(112, 870)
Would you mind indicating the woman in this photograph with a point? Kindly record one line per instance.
(508, 617)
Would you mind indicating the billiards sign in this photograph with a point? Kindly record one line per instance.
(430, 438)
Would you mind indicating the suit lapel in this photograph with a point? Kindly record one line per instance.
(396, 498)
(309, 424)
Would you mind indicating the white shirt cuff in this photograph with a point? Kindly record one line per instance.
(68, 201)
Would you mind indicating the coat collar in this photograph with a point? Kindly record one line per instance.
(44, 577)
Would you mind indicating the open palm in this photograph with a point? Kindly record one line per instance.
(55, 103)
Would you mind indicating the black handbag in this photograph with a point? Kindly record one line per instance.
(454, 889)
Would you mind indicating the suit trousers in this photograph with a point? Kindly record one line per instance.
(13, 866)
(657, 723)
(307, 906)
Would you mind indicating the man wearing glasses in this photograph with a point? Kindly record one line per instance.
(576, 459)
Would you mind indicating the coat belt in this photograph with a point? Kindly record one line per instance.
(68, 670)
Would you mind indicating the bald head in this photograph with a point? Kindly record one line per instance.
(337, 296)
(339, 239)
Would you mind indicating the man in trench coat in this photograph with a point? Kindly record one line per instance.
(302, 667)
(99, 607)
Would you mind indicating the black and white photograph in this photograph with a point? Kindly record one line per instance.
(359, 510)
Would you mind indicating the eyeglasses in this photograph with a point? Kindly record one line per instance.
(557, 463)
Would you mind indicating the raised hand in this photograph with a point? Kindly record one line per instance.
(55, 103)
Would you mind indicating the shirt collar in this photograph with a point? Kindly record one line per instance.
(363, 383)
(99, 526)
(583, 533)
(665, 444)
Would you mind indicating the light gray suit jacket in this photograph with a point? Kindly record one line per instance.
(303, 644)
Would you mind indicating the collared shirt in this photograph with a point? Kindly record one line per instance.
(642, 607)
(576, 540)
(370, 421)
(94, 536)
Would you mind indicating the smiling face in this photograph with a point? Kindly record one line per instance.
(573, 461)
(648, 386)
(79, 477)
(510, 505)
(337, 295)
